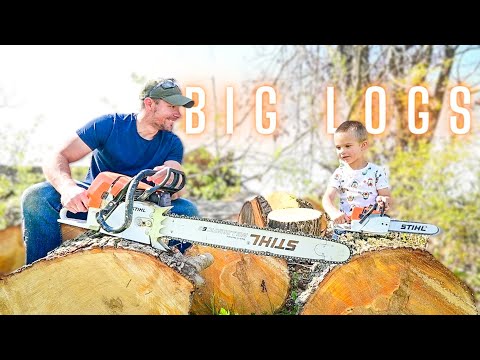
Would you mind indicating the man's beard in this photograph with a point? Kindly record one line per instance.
(166, 127)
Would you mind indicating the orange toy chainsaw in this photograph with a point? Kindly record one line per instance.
(372, 220)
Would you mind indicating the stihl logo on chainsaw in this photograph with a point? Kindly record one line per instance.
(264, 241)
(412, 227)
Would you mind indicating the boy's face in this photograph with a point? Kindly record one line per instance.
(350, 150)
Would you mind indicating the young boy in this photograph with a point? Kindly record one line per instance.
(356, 181)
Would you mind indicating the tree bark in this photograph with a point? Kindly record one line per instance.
(103, 275)
(394, 275)
(246, 283)
(12, 249)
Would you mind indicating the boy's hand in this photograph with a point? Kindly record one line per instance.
(383, 201)
(340, 218)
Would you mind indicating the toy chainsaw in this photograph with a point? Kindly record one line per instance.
(129, 208)
(374, 221)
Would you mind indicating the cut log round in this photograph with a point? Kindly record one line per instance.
(246, 283)
(391, 281)
(308, 221)
(240, 283)
(104, 275)
(12, 249)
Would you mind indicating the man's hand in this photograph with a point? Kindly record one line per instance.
(159, 176)
(75, 199)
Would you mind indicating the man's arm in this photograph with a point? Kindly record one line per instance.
(335, 214)
(57, 171)
(160, 175)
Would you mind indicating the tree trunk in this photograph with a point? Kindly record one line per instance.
(246, 283)
(389, 275)
(12, 249)
(104, 275)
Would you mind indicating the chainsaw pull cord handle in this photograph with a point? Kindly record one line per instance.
(369, 212)
(103, 214)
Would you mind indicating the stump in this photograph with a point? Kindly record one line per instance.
(401, 279)
(308, 221)
(246, 283)
(105, 275)
(12, 249)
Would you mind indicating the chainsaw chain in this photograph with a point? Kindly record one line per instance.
(255, 227)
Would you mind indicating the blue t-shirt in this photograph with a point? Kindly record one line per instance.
(118, 147)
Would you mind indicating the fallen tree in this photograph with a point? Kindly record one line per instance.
(12, 249)
(390, 274)
(103, 275)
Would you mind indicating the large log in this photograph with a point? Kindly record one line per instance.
(390, 274)
(12, 249)
(103, 275)
(240, 283)
(246, 283)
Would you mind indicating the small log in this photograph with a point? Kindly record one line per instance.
(308, 221)
(254, 211)
(104, 275)
(246, 283)
(12, 249)
(402, 280)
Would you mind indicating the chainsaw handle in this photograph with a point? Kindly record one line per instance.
(177, 183)
(369, 212)
(63, 214)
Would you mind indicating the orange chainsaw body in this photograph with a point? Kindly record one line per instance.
(108, 183)
(358, 211)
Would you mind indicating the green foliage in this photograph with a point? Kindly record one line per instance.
(210, 177)
(13, 181)
(292, 307)
(224, 312)
(79, 172)
(440, 186)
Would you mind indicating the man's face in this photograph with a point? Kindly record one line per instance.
(165, 115)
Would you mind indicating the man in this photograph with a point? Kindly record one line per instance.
(121, 143)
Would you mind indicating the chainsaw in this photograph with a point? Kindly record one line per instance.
(126, 207)
(374, 221)
(139, 212)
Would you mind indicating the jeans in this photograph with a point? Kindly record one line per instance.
(41, 205)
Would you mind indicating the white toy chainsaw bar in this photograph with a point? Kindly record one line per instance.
(376, 222)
